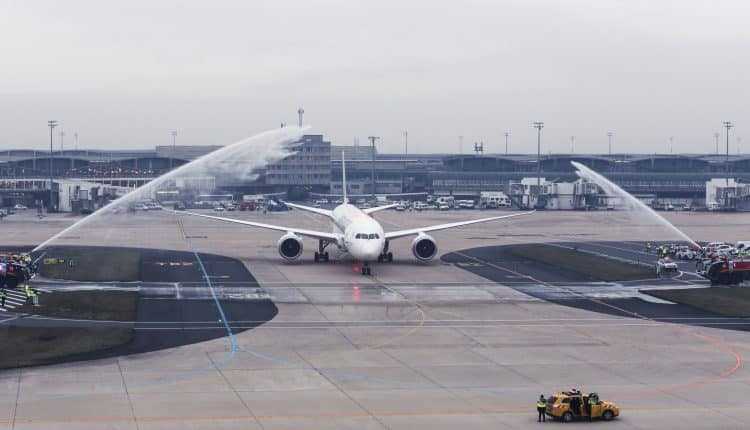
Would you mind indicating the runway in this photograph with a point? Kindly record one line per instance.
(437, 346)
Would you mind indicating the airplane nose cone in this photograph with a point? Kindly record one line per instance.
(372, 254)
(372, 251)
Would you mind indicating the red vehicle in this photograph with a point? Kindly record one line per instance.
(12, 274)
(728, 271)
(247, 206)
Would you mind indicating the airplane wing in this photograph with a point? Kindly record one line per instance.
(299, 231)
(318, 211)
(368, 211)
(413, 231)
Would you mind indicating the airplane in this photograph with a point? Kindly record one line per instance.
(355, 232)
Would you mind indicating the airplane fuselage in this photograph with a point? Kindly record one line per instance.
(362, 236)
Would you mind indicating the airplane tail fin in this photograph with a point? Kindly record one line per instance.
(343, 181)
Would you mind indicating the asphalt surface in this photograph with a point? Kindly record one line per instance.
(565, 287)
(416, 346)
(178, 303)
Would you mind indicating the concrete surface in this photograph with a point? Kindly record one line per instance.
(416, 346)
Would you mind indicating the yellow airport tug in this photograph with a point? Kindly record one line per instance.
(569, 406)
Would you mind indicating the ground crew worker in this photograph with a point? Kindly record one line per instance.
(541, 405)
(29, 293)
(587, 406)
(3, 296)
(648, 247)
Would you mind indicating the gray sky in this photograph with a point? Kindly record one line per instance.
(123, 74)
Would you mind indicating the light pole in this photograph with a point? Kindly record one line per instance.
(372, 165)
(609, 140)
(538, 125)
(75, 147)
(728, 125)
(507, 139)
(572, 144)
(52, 124)
(173, 133)
(671, 144)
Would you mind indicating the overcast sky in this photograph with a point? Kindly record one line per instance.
(122, 74)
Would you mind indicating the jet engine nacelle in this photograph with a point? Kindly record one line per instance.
(290, 246)
(424, 247)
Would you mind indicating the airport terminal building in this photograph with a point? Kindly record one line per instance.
(316, 168)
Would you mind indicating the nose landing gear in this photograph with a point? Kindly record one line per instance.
(366, 269)
(386, 256)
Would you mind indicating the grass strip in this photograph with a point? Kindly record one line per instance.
(727, 301)
(592, 266)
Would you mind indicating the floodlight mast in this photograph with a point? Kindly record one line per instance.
(538, 125)
(51, 124)
(173, 133)
(372, 165)
(728, 125)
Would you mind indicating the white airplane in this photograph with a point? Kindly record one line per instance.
(354, 232)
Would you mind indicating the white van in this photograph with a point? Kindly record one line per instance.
(493, 200)
(445, 201)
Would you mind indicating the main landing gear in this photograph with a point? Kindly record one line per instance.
(322, 254)
(386, 256)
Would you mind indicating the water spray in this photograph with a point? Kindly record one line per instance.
(629, 201)
(238, 160)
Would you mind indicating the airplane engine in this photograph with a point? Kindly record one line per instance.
(290, 246)
(424, 247)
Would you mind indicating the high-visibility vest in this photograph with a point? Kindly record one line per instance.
(540, 404)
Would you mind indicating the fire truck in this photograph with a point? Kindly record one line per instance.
(13, 272)
(726, 270)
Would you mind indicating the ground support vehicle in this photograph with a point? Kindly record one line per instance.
(666, 267)
(727, 270)
(569, 406)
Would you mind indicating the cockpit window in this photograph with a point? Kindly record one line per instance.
(367, 236)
